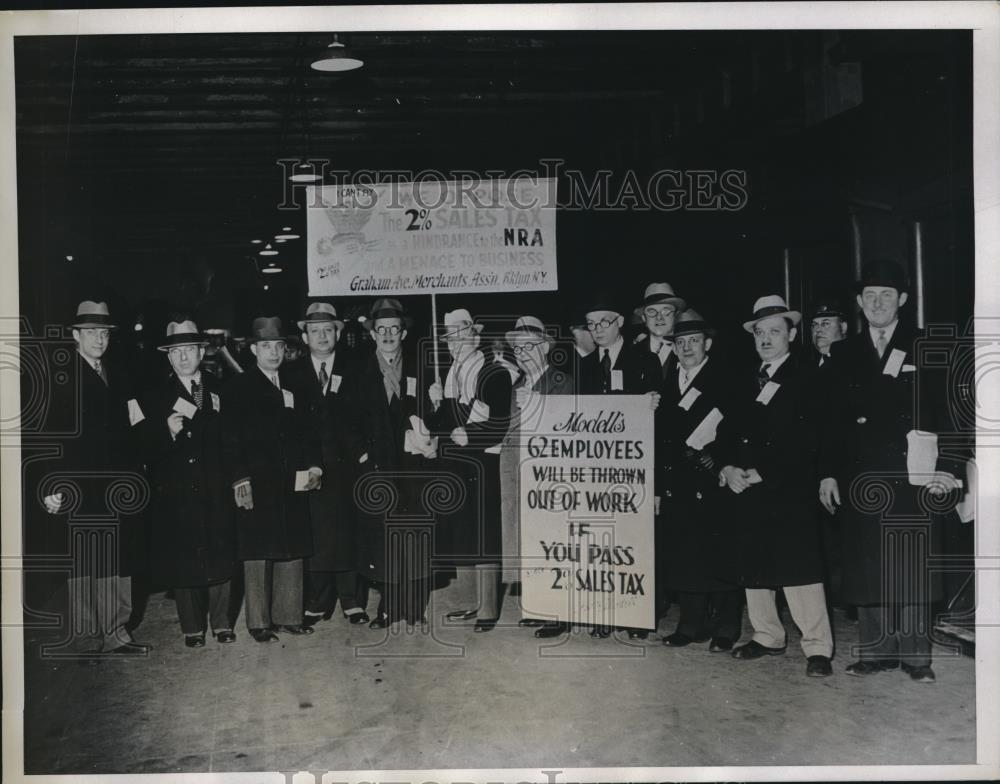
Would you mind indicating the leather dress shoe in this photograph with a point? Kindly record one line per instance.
(485, 624)
(461, 615)
(531, 622)
(194, 640)
(356, 618)
(638, 634)
(132, 649)
(296, 629)
(263, 635)
(864, 667)
(551, 629)
(601, 632)
(721, 644)
(309, 620)
(921, 674)
(380, 622)
(818, 666)
(679, 640)
(225, 636)
(754, 650)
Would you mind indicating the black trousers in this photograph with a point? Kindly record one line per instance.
(715, 614)
(895, 631)
(324, 588)
(193, 604)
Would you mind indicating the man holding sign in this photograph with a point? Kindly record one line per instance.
(767, 451)
(273, 458)
(192, 533)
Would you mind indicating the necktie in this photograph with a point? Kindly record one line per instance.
(196, 393)
(277, 383)
(606, 369)
(881, 343)
(324, 377)
(684, 380)
(99, 369)
(762, 375)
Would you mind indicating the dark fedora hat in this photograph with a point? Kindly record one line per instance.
(387, 307)
(882, 272)
(658, 294)
(321, 311)
(93, 314)
(266, 328)
(182, 333)
(690, 322)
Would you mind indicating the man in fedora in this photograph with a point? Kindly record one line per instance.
(657, 312)
(192, 534)
(104, 445)
(696, 395)
(766, 450)
(321, 380)
(875, 411)
(471, 416)
(273, 457)
(388, 449)
(828, 326)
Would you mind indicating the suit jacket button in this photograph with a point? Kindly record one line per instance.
(862, 420)
(189, 433)
(191, 460)
(698, 495)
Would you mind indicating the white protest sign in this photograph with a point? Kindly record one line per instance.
(431, 237)
(586, 504)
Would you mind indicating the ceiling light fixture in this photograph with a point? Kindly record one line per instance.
(271, 270)
(256, 242)
(283, 237)
(286, 228)
(277, 240)
(305, 173)
(336, 58)
(268, 251)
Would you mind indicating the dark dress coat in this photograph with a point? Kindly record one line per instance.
(770, 532)
(267, 442)
(666, 368)
(101, 461)
(379, 434)
(472, 533)
(687, 482)
(865, 449)
(640, 369)
(192, 527)
(337, 543)
(553, 381)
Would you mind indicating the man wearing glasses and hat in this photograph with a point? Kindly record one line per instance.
(388, 447)
(101, 598)
(696, 397)
(767, 451)
(321, 380)
(657, 312)
(870, 438)
(193, 536)
(273, 458)
(471, 416)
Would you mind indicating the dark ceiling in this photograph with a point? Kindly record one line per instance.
(139, 154)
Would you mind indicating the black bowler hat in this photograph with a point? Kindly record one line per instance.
(266, 328)
(882, 272)
(597, 307)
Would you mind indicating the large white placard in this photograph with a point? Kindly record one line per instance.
(587, 511)
(432, 237)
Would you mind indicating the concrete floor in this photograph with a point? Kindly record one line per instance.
(354, 698)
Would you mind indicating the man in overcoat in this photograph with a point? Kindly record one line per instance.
(273, 459)
(102, 454)
(192, 532)
(657, 313)
(888, 528)
(391, 455)
(471, 415)
(767, 450)
(695, 398)
(321, 381)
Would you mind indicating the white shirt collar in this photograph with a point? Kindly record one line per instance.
(685, 381)
(613, 351)
(186, 380)
(271, 376)
(774, 364)
(889, 332)
(316, 362)
(88, 360)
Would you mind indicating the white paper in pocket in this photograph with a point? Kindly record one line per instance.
(301, 480)
(909, 368)
(769, 391)
(411, 386)
(480, 412)
(185, 408)
(689, 397)
(135, 415)
(895, 363)
(617, 381)
(335, 382)
(289, 398)
(216, 405)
